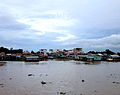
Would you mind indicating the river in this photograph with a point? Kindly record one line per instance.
(57, 77)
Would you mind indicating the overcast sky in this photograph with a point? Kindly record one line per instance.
(35, 24)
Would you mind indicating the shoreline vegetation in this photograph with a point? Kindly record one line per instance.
(43, 54)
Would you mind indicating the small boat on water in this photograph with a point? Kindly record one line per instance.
(50, 57)
(2, 63)
(32, 59)
(109, 59)
(114, 58)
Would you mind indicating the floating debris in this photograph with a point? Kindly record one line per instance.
(63, 93)
(116, 82)
(95, 91)
(43, 82)
(50, 82)
(1, 84)
(111, 74)
(30, 75)
(83, 80)
(10, 78)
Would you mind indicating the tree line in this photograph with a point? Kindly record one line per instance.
(11, 50)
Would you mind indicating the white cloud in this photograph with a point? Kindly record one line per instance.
(112, 42)
(56, 24)
(49, 24)
(64, 38)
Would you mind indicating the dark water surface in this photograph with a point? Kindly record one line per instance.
(60, 78)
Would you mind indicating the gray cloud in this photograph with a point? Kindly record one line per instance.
(9, 22)
(91, 24)
(110, 42)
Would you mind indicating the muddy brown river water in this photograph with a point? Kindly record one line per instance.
(60, 78)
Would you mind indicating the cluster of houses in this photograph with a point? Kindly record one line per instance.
(74, 54)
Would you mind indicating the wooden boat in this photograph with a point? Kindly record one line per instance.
(32, 59)
(2, 63)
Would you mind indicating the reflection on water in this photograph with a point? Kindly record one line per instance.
(31, 63)
(89, 63)
(60, 78)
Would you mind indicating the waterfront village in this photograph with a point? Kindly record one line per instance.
(44, 54)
